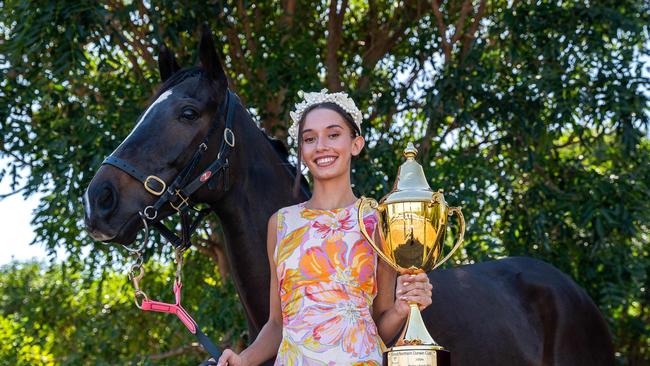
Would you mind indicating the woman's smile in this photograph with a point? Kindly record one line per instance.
(325, 161)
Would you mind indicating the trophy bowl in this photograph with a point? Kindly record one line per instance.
(412, 233)
(410, 237)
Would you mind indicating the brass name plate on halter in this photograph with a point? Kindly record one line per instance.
(412, 226)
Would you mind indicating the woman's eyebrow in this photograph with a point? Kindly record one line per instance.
(330, 126)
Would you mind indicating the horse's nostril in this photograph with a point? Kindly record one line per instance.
(106, 200)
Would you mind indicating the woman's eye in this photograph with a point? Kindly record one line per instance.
(334, 135)
(189, 114)
(308, 140)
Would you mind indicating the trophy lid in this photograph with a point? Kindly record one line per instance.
(410, 185)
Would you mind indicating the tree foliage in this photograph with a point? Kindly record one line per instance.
(531, 115)
(55, 315)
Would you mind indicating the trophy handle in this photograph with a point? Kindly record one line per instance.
(369, 202)
(461, 234)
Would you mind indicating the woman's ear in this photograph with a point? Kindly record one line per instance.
(357, 145)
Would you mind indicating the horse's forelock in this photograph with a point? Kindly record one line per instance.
(181, 76)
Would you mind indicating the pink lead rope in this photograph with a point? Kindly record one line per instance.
(176, 309)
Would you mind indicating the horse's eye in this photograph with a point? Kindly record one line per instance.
(189, 114)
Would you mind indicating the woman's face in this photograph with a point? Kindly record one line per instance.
(327, 144)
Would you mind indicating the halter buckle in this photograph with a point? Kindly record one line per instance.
(182, 203)
(229, 137)
(152, 190)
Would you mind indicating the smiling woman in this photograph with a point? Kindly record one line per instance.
(331, 300)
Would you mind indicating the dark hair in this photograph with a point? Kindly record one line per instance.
(327, 105)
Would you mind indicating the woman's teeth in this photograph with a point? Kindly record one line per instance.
(322, 162)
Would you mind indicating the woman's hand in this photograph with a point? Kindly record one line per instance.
(415, 288)
(230, 358)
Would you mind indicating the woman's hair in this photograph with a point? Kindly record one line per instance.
(327, 105)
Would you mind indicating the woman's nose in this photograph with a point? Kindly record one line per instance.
(321, 144)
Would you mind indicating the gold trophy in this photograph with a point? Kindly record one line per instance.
(411, 229)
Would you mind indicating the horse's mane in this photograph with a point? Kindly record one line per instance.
(278, 146)
(282, 151)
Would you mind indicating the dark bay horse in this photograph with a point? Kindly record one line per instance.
(515, 311)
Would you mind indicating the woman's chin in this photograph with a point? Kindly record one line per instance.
(328, 175)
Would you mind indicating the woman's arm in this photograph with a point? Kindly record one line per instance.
(268, 340)
(387, 315)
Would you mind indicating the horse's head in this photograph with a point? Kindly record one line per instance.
(188, 107)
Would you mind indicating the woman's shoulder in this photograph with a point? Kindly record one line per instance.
(294, 207)
(289, 211)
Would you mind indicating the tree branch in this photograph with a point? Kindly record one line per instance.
(236, 51)
(250, 43)
(216, 253)
(289, 7)
(132, 40)
(380, 45)
(5, 195)
(273, 109)
(460, 22)
(334, 28)
(11, 154)
(116, 26)
(470, 35)
(446, 47)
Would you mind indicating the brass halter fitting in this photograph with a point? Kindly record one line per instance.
(152, 190)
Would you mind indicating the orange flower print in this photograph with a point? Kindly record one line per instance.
(291, 300)
(333, 224)
(347, 322)
(340, 285)
(330, 262)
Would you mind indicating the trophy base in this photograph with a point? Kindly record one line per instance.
(418, 356)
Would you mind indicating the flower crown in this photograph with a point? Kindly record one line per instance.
(341, 99)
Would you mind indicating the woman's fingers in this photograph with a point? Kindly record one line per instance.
(415, 288)
(225, 356)
(405, 279)
(422, 301)
(409, 282)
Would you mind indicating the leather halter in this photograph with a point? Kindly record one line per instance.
(178, 193)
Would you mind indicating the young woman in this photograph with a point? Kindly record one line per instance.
(332, 301)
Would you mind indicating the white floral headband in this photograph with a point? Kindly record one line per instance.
(341, 99)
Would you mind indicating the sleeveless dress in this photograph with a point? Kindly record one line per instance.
(326, 278)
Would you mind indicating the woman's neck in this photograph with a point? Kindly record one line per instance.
(331, 193)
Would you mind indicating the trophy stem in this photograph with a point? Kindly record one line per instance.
(415, 332)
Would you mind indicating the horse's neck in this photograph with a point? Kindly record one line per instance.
(260, 186)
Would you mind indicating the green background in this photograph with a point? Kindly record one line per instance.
(532, 115)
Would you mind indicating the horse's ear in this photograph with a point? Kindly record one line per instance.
(167, 64)
(209, 58)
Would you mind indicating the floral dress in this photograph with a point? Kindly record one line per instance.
(326, 279)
